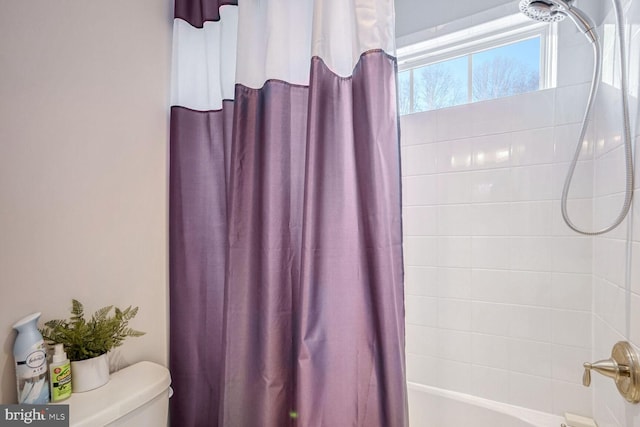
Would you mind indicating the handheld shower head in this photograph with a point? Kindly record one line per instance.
(557, 10)
(541, 10)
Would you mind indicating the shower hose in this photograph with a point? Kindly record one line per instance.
(595, 83)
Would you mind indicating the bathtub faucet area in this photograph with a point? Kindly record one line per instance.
(623, 367)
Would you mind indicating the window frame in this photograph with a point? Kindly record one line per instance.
(479, 38)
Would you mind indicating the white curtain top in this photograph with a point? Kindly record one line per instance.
(261, 40)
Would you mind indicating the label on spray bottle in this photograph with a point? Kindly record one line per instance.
(31, 375)
(60, 382)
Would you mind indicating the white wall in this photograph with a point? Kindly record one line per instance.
(503, 301)
(498, 293)
(616, 302)
(499, 290)
(416, 15)
(83, 169)
(413, 16)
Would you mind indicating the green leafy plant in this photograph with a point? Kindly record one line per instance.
(84, 339)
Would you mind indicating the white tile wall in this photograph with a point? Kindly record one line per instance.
(530, 391)
(481, 207)
(616, 297)
(531, 253)
(571, 64)
(421, 311)
(530, 288)
(490, 219)
(421, 251)
(419, 190)
(570, 112)
(572, 328)
(490, 318)
(454, 314)
(531, 323)
(491, 151)
(490, 350)
(490, 383)
(421, 281)
(581, 183)
(563, 362)
(571, 397)
(530, 357)
(490, 252)
(504, 301)
(606, 209)
(454, 375)
(571, 291)
(531, 218)
(452, 156)
(420, 159)
(421, 220)
(581, 214)
(453, 188)
(454, 283)
(531, 147)
(455, 220)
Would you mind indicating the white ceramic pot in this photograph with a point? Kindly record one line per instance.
(89, 374)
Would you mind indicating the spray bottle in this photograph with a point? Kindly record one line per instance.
(60, 372)
(30, 356)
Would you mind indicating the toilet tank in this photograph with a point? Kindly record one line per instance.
(136, 396)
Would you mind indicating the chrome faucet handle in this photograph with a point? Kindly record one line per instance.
(623, 367)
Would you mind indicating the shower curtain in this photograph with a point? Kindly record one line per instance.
(286, 280)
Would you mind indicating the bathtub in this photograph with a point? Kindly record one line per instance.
(434, 407)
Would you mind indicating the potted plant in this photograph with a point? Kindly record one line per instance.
(88, 341)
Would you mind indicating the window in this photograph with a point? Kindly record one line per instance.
(501, 58)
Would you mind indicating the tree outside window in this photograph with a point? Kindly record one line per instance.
(498, 72)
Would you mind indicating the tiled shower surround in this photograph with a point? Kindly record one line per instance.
(503, 301)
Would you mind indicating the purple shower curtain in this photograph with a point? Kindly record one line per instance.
(286, 291)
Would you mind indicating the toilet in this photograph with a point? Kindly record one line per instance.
(136, 396)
